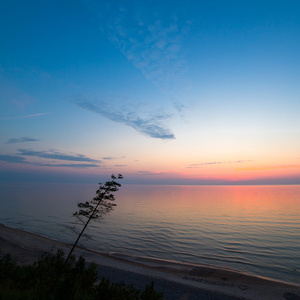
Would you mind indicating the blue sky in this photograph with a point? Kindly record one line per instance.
(162, 92)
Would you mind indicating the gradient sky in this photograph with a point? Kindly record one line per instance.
(167, 92)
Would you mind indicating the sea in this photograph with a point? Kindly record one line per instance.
(251, 229)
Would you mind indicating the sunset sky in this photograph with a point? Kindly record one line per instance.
(163, 92)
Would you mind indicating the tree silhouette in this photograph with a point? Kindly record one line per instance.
(100, 205)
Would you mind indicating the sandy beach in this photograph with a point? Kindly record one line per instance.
(176, 280)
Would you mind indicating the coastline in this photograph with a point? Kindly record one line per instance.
(27, 247)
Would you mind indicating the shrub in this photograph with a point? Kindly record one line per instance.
(79, 281)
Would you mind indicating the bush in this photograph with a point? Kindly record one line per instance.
(78, 281)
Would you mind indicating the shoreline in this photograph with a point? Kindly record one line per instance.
(27, 247)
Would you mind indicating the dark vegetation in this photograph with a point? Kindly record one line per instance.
(100, 205)
(60, 277)
(78, 281)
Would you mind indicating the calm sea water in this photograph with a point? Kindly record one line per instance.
(254, 229)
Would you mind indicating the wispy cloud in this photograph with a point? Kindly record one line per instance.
(83, 166)
(21, 140)
(179, 106)
(113, 157)
(217, 163)
(12, 159)
(153, 46)
(148, 173)
(26, 116)
(20, 159)
(268, 167)
(57, 155)
(150, 125)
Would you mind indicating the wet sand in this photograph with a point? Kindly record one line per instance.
(180, 281)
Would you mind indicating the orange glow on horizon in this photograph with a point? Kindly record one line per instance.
(248, 200)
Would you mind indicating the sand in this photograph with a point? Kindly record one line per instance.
(180, 281)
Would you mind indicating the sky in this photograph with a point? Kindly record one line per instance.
(163, 92)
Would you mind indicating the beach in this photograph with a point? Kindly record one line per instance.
(176, 280)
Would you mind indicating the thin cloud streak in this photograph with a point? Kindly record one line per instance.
(12, 159)
(27, 116)
(217, 163)
(57, 155)
(148, 173)
(150, 126)
(261, 168)
(22, 160)
(21, 140)
(69, 165)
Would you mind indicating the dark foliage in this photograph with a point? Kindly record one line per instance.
(79, 281)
